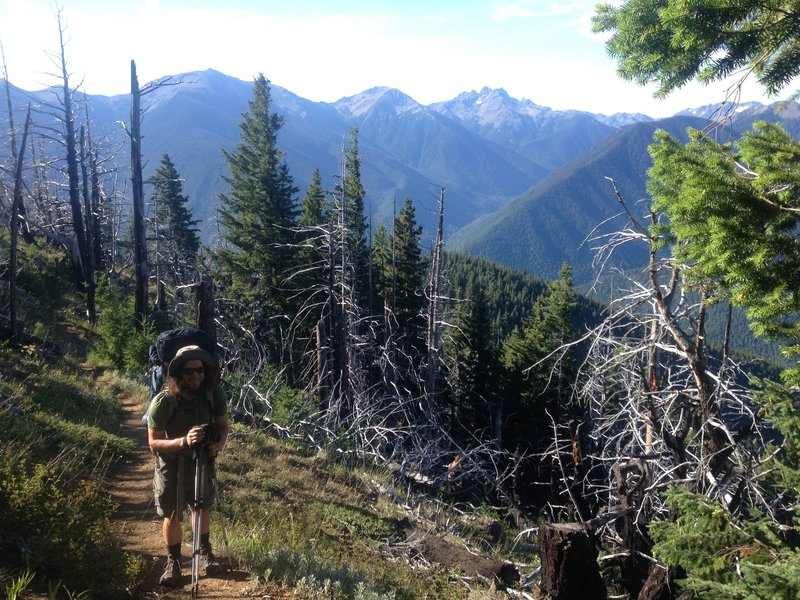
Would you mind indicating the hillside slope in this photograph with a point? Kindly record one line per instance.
(549, 225)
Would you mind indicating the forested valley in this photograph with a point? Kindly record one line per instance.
(627, 451)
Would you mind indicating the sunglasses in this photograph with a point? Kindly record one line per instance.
(194, 371)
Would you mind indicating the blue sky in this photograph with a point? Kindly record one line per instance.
(541, 50)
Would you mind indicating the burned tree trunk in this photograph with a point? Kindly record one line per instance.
(139, 232)
(657, 586)
(204, 301)
(433, 316)
(15, 158)
(90, 229)
(72, 166)
(569, 563)
(16, 205)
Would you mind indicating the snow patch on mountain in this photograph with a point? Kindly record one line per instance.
(720, 110)
(378, 98)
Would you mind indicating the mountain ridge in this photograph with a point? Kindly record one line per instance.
(551, 223)
(485, 148)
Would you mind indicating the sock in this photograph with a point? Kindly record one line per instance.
(205, 542)
(174, 550)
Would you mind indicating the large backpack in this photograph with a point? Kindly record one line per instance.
(167, 344)
(163, 350)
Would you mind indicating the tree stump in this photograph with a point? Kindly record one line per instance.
(657, 586)
(569, 563)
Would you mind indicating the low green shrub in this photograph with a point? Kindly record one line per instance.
(83, 441)
(123, 341)
(59, 527)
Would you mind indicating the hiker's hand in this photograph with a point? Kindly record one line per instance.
(195, 435)
(212, 450)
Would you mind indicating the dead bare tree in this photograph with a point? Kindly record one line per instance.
(15, 158)
(660, 408)
(89, 214)
(16, 205)
(63, 226)
(134, 131)
(434, 292)
(139, 230)
(70, 146)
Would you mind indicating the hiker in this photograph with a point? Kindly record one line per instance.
(190, 414)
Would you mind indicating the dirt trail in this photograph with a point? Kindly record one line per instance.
(140, 528)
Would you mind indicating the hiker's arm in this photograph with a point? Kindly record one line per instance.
(221, 423)
(159, 442)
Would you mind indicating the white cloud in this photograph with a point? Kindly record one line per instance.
(529, 9)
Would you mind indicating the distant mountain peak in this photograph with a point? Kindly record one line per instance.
(617, 120)
(381, 97)
(720, 109)
(488, 93)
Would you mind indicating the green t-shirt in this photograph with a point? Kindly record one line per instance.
(186, 414)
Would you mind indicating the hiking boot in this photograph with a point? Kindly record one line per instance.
(172, 572)
(209, 565)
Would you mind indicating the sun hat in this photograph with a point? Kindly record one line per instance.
(188, 353)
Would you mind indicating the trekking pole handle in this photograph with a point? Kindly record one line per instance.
(195, 436)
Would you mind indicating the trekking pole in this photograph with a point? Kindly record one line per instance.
(222, 527)
(197, 520)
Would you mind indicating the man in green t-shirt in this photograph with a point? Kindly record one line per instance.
(178, 421)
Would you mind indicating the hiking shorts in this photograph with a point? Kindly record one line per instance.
(165, 485)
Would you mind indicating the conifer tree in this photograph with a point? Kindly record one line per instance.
(734, 218)
(398, 277)
(314, 229)
(672, 42)
(176, 234)
(477, 404)
(258, 213)
(538, 376)
(731, 229)
(383, 276)
(350, 195)
(313, 209)
(409, 268)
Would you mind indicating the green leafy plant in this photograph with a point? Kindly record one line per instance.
(62, 526)
(18, 585)
(116, 323)
(723, 557)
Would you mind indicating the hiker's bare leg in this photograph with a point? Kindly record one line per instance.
(172, 534)
(171, 530)
(205, 520)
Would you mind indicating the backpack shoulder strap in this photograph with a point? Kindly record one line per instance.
(173, 407)
(210, 401)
